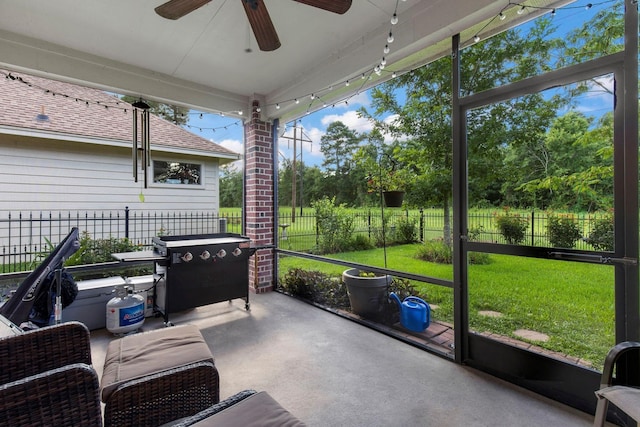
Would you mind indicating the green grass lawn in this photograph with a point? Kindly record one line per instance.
(572, 303)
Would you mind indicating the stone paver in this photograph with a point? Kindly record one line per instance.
(531, 335)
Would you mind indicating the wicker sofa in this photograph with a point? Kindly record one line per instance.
(46, 378)
(162, 377)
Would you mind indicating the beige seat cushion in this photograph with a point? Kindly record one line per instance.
(625, 398)
(135, 356)
(258, 410)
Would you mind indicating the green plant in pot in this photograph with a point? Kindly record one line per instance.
(367, 291)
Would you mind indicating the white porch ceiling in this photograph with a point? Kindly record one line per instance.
(200, 61)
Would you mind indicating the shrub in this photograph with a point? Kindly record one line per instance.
(335, 226)
(99, 250)
(360, 242)
(563, 231)
(317, 287)
(380, 238)
(479, 258)
(512, 226)
(435, 251)
(601, 236)
(406, 231)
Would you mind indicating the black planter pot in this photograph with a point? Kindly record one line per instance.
(393, 199)
(367, 295)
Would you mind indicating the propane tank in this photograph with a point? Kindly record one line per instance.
(125, 311)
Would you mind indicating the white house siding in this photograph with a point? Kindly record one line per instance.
(58, 177)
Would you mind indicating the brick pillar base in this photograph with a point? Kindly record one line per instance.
(259, 200)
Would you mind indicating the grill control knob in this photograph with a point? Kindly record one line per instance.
(222, 253)
(237, 251)
(205, 255)
(187, 257)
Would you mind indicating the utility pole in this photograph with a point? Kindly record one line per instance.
(294, 167)
(293, 173)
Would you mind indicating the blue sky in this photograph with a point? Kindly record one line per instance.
(228, 131)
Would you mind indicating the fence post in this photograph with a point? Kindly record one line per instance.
(126, 222)
(422, 225)
(533, 226)
(369, 223)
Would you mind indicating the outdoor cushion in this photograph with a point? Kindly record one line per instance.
(625, 398)
(139, 355)
(257, 410)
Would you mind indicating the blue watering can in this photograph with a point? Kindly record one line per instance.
(415, 314)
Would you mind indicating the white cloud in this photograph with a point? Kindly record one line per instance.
(235, 146)
(350, 119)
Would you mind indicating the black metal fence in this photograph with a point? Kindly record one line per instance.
(302, 234)
(26, 236)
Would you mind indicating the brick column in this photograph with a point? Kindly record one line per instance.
(259, 199)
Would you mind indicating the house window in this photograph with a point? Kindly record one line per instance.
(165, 172)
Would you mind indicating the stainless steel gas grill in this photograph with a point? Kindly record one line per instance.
(196, 270)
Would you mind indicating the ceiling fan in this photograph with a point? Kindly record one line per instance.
(256, 12)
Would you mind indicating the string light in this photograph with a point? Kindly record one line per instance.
(115, 104)
(378, 69)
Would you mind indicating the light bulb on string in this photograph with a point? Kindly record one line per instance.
(394, 19)
(386, 49)
(390, 38)
(521, 10)
(502, 16)
(476, 38)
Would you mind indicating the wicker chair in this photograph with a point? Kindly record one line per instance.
(162, 397)
(153, 377)
(624, 397)
(43, 349)
(46, 378)
(66, 396)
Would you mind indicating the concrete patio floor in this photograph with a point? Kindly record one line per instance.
(330, 371)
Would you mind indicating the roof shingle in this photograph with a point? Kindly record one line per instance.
(86, 112)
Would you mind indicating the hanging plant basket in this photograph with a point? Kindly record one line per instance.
(393, 199)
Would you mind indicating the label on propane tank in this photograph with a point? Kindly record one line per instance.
(131, 315)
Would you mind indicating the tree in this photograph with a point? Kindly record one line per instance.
(230, 187)
(338, 146)
(172, 113)
(423, 120)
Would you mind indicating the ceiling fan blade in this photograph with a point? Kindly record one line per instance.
(261, 24)
(335, 6)
(175, 9)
